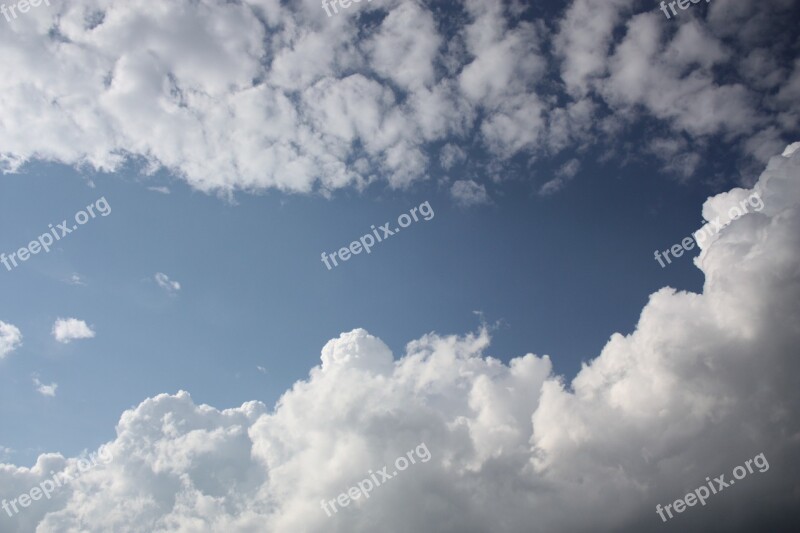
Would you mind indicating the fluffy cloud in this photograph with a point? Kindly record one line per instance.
(262, 94)
(69, 329)
(45, 390)
(10, 338)
(469, 192)
(704, 382)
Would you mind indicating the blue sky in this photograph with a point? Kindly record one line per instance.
(525, 333)
(535, 268)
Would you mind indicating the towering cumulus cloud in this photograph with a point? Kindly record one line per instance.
(705, 382)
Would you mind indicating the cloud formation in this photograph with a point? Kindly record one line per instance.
(66, 330)
(167, 284)
(704, 382)
(45, 390)
(262, 94)
(10, 338)
(469, 192)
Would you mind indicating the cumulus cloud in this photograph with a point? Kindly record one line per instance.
(704, 382)
(267, 95)
(45, 390)
(167, 284)
(10, 338)
(69, 329)
(468, 193)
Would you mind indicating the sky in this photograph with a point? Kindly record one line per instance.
(188, 328)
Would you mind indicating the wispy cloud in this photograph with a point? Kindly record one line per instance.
(5, 453)
(45, 390)
(75, 279)
(167, 284)
(563, 175)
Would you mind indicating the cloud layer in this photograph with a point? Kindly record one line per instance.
(266, 94)
(705, 382)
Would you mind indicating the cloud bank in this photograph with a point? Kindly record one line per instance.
(704, 382)
(262, 94)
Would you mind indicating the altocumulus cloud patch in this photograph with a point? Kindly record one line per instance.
(270, 94)
(704, 381)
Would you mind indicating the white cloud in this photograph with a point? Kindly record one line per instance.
(5, 453)
(165, 283)
(262, 94)
(675, 154)
(563, 174)
(703, 383)
(161, 189)
(569, 169)
(552, 186)
(10, 338)
(69, 329)
(75, 279)
(468, 193)
(45, 390)
(451, 155)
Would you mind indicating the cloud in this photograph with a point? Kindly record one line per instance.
(266, 95)
(161, 190)
(165, 283)
(75, 279)
(10, 338)
(5, 453)
(451, 155)
(675, 155)
(469, 192)
(564, 174)
(69, 329)
(45, 390)
(702, 384)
